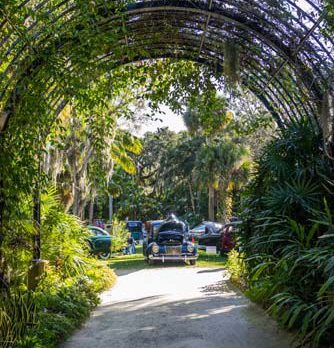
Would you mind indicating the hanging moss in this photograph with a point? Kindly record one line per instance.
(231, 63)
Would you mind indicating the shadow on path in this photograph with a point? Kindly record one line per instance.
(178, 308)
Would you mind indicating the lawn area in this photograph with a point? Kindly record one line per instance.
(205, 260)
(137, 261)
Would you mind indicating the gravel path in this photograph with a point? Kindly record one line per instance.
(175, 307)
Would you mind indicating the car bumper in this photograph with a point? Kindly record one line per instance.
(164, 258)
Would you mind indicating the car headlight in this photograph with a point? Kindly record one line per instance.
(190, 248)
(155, 248)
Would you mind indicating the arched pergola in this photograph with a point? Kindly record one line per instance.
(287, 59)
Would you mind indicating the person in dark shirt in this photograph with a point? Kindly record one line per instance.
(131, 245)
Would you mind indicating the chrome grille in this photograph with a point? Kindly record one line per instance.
(173, 250)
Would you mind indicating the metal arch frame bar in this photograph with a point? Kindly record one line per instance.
(206, 61)
(187, 9)
(299, 47)
(269, 45)
(280, 50)
(205, 29)
(213, 52)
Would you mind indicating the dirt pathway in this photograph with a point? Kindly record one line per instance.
(177, 307)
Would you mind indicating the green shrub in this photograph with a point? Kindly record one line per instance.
(63, 305)
(237, 269)
(119, 236)
(68, 291)
(287, 236)
(17, 314)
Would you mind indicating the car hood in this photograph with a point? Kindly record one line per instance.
(170, 237)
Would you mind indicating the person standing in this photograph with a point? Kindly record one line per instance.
(131, 245)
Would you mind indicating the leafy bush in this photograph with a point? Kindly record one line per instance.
(68, 291)
(64, 238)
(62, 308)
(237, 269)
(287, 236)
(63, 304)
(17, 314)
(119, 236)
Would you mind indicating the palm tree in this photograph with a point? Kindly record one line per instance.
(219, 156)
(83, 165)
(217, 161)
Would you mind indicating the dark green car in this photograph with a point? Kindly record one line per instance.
(100, 242)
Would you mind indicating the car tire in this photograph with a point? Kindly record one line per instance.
(105, 256)
(150, 261)
(192, 262)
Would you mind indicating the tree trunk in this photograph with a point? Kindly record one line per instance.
(82, 209)
(229, 201)
(37, 224)
(211, 203)
(226, 201)
(216, 203)
(91, 210)
(192, 198)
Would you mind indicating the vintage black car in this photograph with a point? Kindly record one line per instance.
(220, 236)
(170, 243)
(199, 230)
(211, 235)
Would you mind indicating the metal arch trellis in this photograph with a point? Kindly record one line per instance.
(185, 38)
(272, 98)
(290, 33)
(278, 92)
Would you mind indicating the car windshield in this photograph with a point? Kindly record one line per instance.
(98, 232)
(216, 227)
(200, 227)
(133, 226)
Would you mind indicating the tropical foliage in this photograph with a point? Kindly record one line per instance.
(197, 173)
(68, 290)
(57, 53)
(287, 240)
